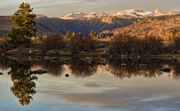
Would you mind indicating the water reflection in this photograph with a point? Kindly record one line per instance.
(145, 68)
(82, 68)
(24, 80)
(129, 68)
(4, 63)
(53, 68)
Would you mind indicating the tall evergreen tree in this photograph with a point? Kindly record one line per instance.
(67, 35)
(92, 34)
(23, 25)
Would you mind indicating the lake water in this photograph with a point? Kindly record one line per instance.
(79, 86)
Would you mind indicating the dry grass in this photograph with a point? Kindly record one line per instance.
(164, 27)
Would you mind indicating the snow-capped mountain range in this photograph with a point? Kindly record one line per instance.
(120, 14)
(87, 22)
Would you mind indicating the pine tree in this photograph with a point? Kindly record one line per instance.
(67, 35)
(23, 26)
(73, 34)
(92, 34)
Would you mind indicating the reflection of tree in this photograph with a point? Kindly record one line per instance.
(23, 82)
(4, 63)
(53, 68)
(128, 68)
(176, 71)
(82, 68)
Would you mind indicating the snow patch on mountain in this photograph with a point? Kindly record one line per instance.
(132, 13)
(40, 16)
(78, 15)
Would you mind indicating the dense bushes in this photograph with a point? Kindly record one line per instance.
(54, 41)
(177, 45)
(75, 44)
(123, 45)
(51, 42)
(130, 45)
(119, 45)
(80, 43)
(152, 45)
(4, 44)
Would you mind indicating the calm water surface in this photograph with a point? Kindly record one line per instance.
(84, 87)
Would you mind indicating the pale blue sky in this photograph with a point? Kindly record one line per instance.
(61, 7)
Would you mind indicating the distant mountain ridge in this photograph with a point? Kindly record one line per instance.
(61, 26)
(57, 25)
(86, 22)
